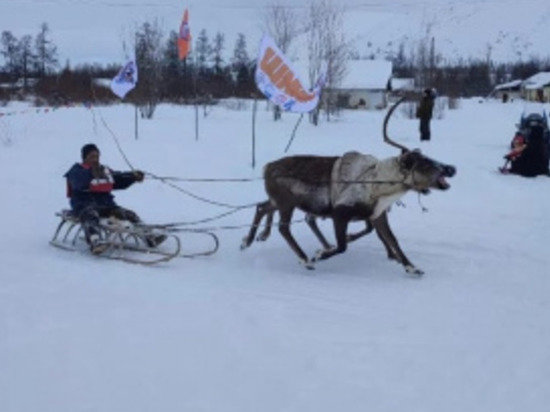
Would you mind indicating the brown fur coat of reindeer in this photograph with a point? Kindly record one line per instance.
(346, 188)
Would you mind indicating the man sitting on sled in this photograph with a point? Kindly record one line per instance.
(89, 186)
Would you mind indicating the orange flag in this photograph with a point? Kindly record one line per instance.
(184, 38)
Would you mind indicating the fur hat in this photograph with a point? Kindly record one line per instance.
(430, 93)
(87, 149)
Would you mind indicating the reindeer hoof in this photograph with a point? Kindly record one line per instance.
(319, 255)
(308, 264)
(414, 271)
(262, 237)
(245, 244)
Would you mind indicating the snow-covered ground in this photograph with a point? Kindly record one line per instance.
(252, 330)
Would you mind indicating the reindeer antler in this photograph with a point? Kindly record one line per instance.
(385, 127)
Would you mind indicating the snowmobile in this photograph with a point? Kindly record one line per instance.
(530, 147)
(127, 241)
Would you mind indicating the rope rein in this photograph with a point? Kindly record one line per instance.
(168, 180)
(197, 197)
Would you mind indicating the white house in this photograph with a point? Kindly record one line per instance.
(365, 85)
(402, 84)
(537, 87)
(507, 91)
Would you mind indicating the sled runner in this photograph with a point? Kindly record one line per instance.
(129, 242)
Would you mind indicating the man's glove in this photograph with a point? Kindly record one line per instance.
(139, 175)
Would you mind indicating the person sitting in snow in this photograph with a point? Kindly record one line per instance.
(89, 186)
(518, 146)
(529, 157)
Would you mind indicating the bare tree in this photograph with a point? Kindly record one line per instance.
(328, 47)
(280, 22)
(26, 58)
(10, 52)
(46, 52)
(149, 59)
(426, 58)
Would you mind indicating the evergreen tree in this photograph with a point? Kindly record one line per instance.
(203, 51)
(217, 52)
(241, 69)
(172, 69)
(240, 55)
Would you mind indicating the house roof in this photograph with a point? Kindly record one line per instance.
(402, 83)
(510, 85)
(367, 74)
(360, 74)
(537, 81)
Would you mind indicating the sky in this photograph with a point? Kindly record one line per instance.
(89, 31)
(252, 330)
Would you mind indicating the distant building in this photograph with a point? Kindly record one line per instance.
(507, 91)
(398, 84)
(365, 85)
(537, 88)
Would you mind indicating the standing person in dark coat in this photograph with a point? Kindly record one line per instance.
(424, 112)
(89, 186)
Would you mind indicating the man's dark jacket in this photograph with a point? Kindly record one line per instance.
(85, 190)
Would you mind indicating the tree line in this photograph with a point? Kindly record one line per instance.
(32, 68)
(206, 75)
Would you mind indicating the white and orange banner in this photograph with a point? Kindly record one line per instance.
(184, 36)
(125, 80)
(280, 83)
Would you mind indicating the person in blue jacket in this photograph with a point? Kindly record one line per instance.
(89, 187)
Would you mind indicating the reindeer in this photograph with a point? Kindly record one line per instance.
(347, 188)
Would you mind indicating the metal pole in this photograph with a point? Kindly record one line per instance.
(136, 122)
(254, 109)
(294, 132)
(196, 120)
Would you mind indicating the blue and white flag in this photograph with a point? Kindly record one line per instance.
(125, 80)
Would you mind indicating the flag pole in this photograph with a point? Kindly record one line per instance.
(183, 45)
(294, 132)
(196, 120)
(136, 121)
(254, 110)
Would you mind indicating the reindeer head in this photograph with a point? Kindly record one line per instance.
(421, 172)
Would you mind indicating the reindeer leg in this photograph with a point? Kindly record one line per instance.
(261, 210)
(312, 223)
(392, 255)
(264, 234)
(284, 229)
(352, 237)
(385, 234)
(340, 230)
